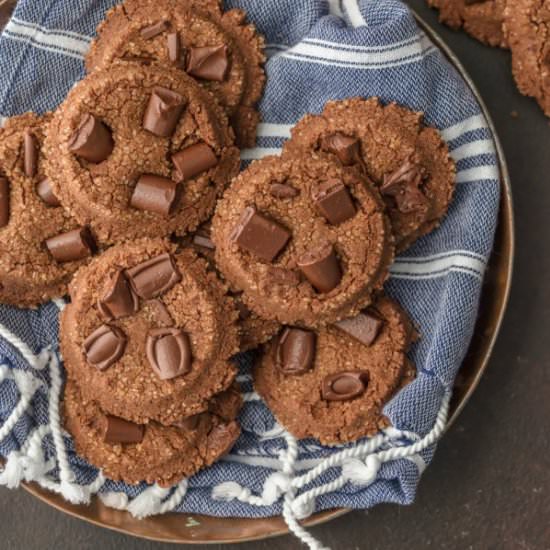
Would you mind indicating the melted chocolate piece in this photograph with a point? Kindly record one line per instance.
(118, 431)
(346, 148)
(45, 192)
(334, 201)
(344, 386)
(154, 276)
(163, 112)
(208, 63)
(119, 300)
(194, 160)
(364, 327)
(295, 351)
(169, 352)
(92, 140)
(104, 347)
(154, 30)
(403, 185)
(155, 194)
(71, 246)
(321, 268)
(283, 191)
(30, 149)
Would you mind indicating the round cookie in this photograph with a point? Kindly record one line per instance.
(149, 332)
(408, 162)
(332, 384)
(304, 238)
(41, 246)
(138, 151)
(254, 330)
(221, 50)
(482, 19)
(153, 453)
(526, 26)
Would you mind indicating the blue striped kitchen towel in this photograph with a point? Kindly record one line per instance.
(317, 50)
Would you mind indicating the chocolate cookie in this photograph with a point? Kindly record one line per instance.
(41, 246)
(152, 453)
(220, 50)
(408, 162)
(139, 151)
(480, 18)
(149, 332)
(305, 239)
(332, 384)
(526, 26)
(253, 329)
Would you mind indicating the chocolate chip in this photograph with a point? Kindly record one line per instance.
(344, 386)
(283, 191)
(154, 30)
(334, 201)
(71, 246)
(222, 438)
(155, 194)
(104, 347)
(92, 140)
(45, 192)
(346, 148)
(203, 241)
(321, 268)
(174, 47)
(403, 185)
(4, 201)
(118, 430)
(163, 112)
(364, 327)
(30, 148)
(295, 351)
(169, 352)
(208, 63)
(119, 300)
(194, 160)
(154, 276)
(260, 235)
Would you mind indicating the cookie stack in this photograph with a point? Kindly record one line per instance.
(129, 196)
(520, 25)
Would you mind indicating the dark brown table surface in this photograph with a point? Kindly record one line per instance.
(489, 484)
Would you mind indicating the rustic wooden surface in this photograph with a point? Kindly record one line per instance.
(489, 485)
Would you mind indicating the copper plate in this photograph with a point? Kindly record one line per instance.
(182, 528)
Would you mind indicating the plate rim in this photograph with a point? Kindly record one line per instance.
(506, 226)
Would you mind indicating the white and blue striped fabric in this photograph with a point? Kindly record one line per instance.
(317, 50)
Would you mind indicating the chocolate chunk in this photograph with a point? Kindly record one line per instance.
(154, 276)
(222, 438)
(283, 191)
(283, 276)
(169, 352)
(160, 312)
(334, 201)
(404, 186)
(203, 241)
(260, 235)
(154, 30)
(119, 300)
(45, 192)
(118, 430)
(163, 112)
(346, 148)
(344, 386)
(4, 201)
(155, 194)
(208, 63)
(74, 245)
(194, 160)
(321, 268)
(364, 327)
(92, 140)
(295, 351)
(104, 347)
(30, 149)
(174, 47)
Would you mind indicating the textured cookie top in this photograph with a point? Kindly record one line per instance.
(153, 453)
(304, 238)
(123, 125)
(32, 221)
(331, 384)
(481, 18)
(220, 50)
(406, 160)
(149, 332)
(527, 24)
